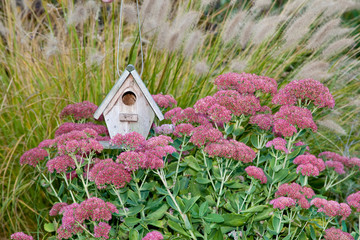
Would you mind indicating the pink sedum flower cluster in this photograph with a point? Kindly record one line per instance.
(305, 89)
(256, 173)
(337, 166)
(20, 236)
(347, 162)
(289, 117)
(164, 101)
(62, 163)
(83, 110)
(337, 234)
(230, 149)
(299, 194)
(283, 202)
(204, 134)
(187, 115)
(107, 172)
(154, 235)
(164, 129)
(183, 129)
(354, 200)
(129, 141)
(69, 127)
(33, 156)
(263, 121)
(278, 144)
(309, 165)
(331, 208)
(56, 208)
(102, 230)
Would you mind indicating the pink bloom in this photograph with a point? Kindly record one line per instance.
(130, 141)
(187, 115)
(61, 164)
(57, 208)
(337, 234)
(80, 147)
(154, 235)
(69, 224)
(219, 114)
(203, 105)
(83, 110)
(68, 127)
(338, 166)
(169, 115)
(345, 210)
(183, 129)
(263, 121)
(301, 144)
(257, 173)
(164, 101)
(164, 129)
(338, 158)
(108, 172)
(102, 230)
(242, 152)
(283, 202)
(354, 200)
(33, 156)
(305, 89)
(309, 165)
(21, 236)
(94, 209)
(132, 161)
(331, 208)
(204, 134)
(296, 192)
(307, 170)
(160, 140)
(284, 128)
(47, 143)
(278, 144)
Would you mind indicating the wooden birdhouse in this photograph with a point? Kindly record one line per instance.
(129, 107)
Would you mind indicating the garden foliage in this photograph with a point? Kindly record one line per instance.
(234, 165)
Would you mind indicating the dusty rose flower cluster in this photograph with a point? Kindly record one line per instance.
(246, 83)
(33, 156)
(230, 149)
(289, 117)
(102, 230)
(345, 161)
(183, 129)
(187, 115)
(154, 235)
(263, 121)
(256, 173)
(62, 163)
(69, 127)
(331, 208)
(204, 134)
(309, 165)
(129, 141)
(283, 202)
(83, 110)
(305, 89)
(337, 166)
(299, 194)
(164, 129)
(278, 144)
(164, 101)
(354, 200)
(20, 236)
(337, 234)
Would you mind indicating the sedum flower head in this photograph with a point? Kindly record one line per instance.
(331, 208)
(203, 105)
(257, 173)
(283, 202)
(338, 166)
(336, 234)
(57, 208)
(164, 129)
(354, 200)
(47, 144)
(263, 121)
(20, 236)
(33, 156)
(129, 141)
(300, 194)
(187, 115)
(219, 114)
(154, 235)
(183, 129)
(132, 160)
(278, 144)
(204, 134)
(348, 162)
(69, 126)
(309, 165)
(61, 163)
(164, 101)
(102, 230)
(94, 209)
(83, 110)
(305, 89)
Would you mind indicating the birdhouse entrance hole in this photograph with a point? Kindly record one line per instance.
(129, 98)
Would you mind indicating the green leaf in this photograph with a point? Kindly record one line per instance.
(281, 175)
(254, 141)
(202, 180)
(192, 163)
(148, 186)
(295, 153)
(235, 220)
(216, 234)
(214, 217)
(177, 228)
(159, 213)
(229, 128)
(254, 209)
(312, 232)
(133, 234)
(49, 227)
(238, 131)
(76, 188)
(203, 209)
(171, 203)
(161, 191)
(132, 221)
(190, 203)
(135, 210)
(263, 215)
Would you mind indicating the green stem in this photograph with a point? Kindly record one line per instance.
(87, 231)
(207, 170)
(332, 185)
(121, 201)
(279, 226)
(224, 178)
(325, 227)
(67, 184)
(247, 194)
(50, 183)
(85, 185)
(178, 161)
(138, 189)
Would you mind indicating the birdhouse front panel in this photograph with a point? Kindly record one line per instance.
(129, 110)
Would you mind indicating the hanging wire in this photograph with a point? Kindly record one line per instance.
(118, 42)
(141, 48)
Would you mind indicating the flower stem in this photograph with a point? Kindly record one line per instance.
(247, 194)
(178, 161)
(50, 183)
(67, 184)
(207, 170)
(121, 201)
(138, 189)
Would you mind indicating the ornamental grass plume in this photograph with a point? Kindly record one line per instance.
(21, 236)
(336, 234)
(107, 172)
(164, 101)
(283, 202)
(153, 235)
(79, 111)
(278, 144)
(256, 173)
(33, 156)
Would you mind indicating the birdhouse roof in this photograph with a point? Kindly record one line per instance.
(130, 69)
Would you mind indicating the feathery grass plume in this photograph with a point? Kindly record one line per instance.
(93, 9)
(154, 13)
(3, 30)
(323, 34)
(201, 68)
(337, 47)
(316, 69)
(265, 28)
(205, 3)
(334, 7)
(262, 4)
(95, 58)
(238, 65)
(245, 34)
(52, 46)
(78, 15)
(292, 7)
(192, 43)
(130, 14)
(232, 26)
(332, 125)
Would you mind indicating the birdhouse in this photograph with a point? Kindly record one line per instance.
(129, 107)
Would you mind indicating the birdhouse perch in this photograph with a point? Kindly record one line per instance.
(129, 106)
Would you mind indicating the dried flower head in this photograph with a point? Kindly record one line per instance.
(33, 156)
(332, 125)
(257, 173)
